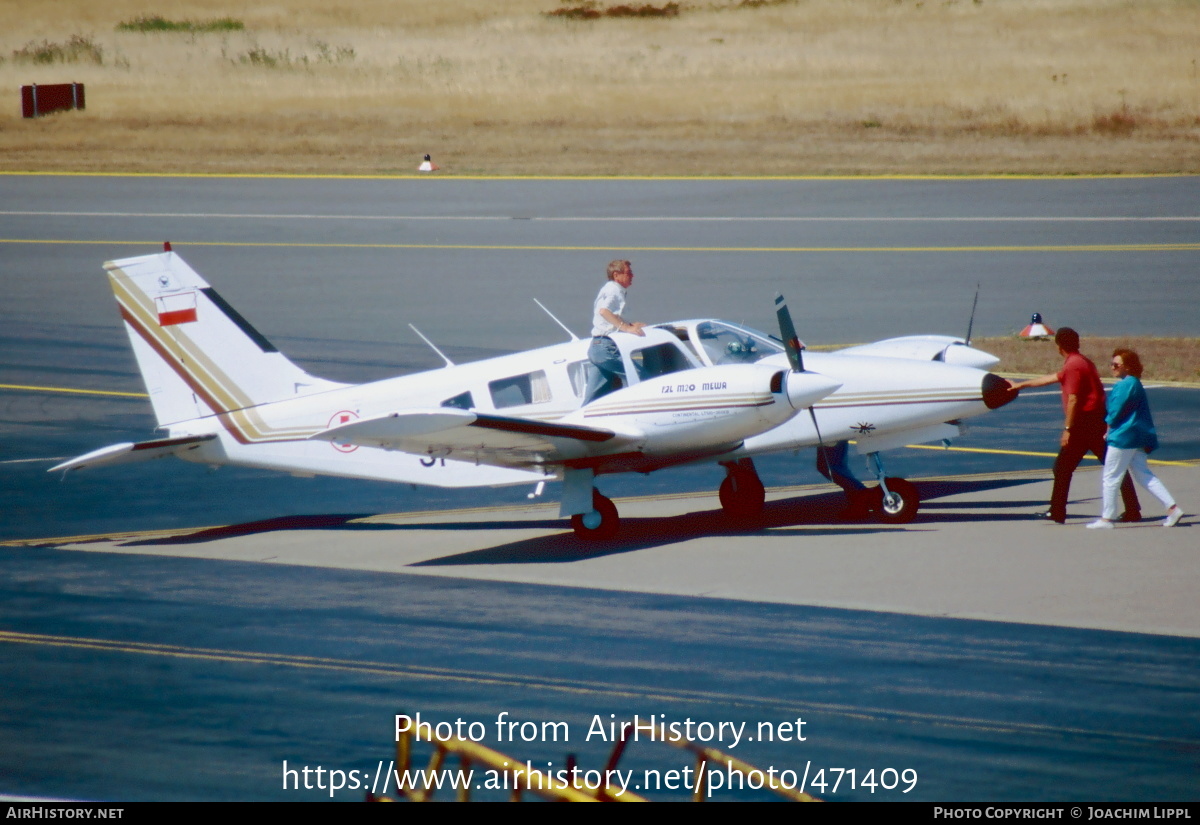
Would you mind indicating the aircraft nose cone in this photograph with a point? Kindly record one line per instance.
(996, 391)
(807, 388)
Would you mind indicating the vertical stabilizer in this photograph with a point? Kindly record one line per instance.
(197, 355)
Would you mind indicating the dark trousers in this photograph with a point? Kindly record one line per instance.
(1086, 436)
(831, 463)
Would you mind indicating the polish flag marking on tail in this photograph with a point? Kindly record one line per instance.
(179, 308)
(339, 418)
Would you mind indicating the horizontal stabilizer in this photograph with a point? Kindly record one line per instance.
(129, 452)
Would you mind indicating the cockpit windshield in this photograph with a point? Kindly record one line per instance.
(726, 343)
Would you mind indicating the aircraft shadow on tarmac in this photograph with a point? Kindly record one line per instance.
(820, 511)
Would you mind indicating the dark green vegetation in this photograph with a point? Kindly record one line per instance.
(77, 49)
(155, 23)
(593, 11)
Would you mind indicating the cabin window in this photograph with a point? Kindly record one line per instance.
(463, 401)
(661, 359)
(578, 373)
(531, 388)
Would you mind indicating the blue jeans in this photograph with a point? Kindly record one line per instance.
(605, 370)
(831, 463)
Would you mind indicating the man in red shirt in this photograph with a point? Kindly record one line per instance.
(1083, 424)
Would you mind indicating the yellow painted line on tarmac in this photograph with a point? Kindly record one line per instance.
(1162, 247)
(132, 535)
(993, 451)
(575, 687)
(72, 391)
(446, 176)
(313, 663)
(393, 671)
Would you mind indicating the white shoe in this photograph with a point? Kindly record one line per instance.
(1100, 524)
(1173, 517)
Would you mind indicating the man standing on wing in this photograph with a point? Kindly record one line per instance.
(606, 367)
(1083, 424)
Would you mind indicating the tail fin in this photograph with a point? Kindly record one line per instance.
(197, 355)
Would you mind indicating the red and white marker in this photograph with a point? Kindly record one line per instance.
(1036, 328)
(428, 165)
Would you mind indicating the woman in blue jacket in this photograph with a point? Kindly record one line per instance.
(1131, 437)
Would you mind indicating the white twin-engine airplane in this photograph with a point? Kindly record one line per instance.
(698, 391)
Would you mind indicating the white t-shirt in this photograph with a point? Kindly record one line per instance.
(612, 298)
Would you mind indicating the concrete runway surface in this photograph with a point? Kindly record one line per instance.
(996, 657)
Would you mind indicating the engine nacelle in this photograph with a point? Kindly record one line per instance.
(703, 409)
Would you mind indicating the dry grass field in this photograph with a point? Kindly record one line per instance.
(1165, 359)
(724, 87)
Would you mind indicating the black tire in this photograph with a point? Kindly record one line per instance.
(903, 509)
(742, 495)
(610, 521)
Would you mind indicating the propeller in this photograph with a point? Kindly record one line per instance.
(803, 388)
(795, 349)
(787, 333)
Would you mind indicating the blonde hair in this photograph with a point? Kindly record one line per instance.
(617, 267)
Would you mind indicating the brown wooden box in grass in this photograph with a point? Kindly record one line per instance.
(46, 99)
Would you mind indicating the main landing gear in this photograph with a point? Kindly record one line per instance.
(601, 523)
(593, 516)
(742, 492)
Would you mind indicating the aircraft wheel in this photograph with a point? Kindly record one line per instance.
(742, 495)
(902, 506)
(609, 521)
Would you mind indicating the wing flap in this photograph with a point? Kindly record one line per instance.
(468, 435)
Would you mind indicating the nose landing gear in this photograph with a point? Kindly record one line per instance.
(894, 501)
(898, 499)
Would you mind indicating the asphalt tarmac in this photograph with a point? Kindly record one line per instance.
(997, 657)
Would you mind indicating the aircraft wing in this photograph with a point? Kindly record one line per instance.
(926, 348)
(467, 435)
(129, 452)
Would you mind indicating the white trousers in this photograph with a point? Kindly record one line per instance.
(1116, 462)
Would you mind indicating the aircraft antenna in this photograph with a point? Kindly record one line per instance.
(971, 323)
(574, 337)
(433, 347)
